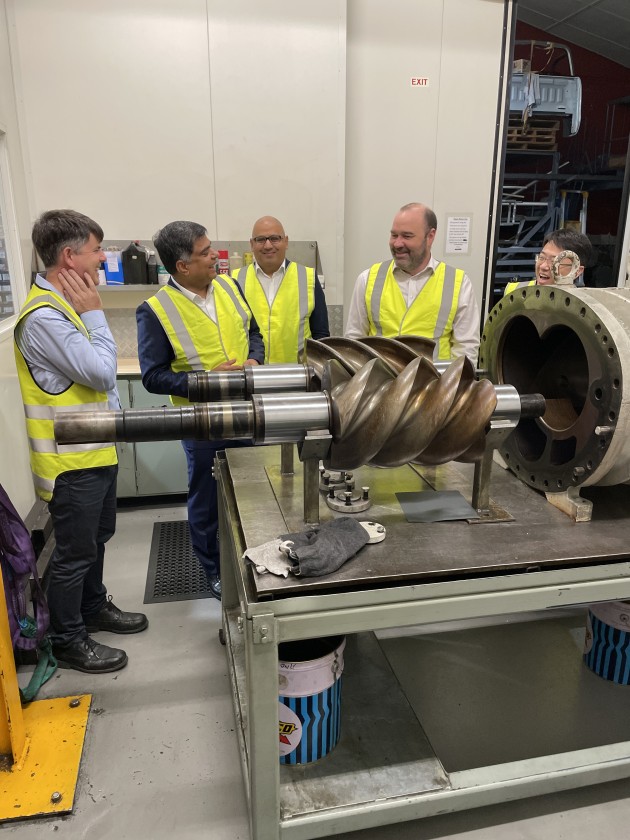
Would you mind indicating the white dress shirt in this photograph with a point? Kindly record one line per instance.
(270, 284)
(465, 323)
(206, 304)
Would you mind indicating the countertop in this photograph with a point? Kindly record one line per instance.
(128, 366)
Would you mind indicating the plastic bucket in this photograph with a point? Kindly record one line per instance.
(309, 695)
(607, 642)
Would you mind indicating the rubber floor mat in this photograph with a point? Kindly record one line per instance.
(174, 572)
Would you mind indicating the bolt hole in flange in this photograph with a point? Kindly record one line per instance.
(544, 342)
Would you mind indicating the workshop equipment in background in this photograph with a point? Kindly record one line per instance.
(571, 345)
(573, 209)
(40, 745)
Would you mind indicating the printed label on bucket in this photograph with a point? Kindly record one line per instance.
(290, 729)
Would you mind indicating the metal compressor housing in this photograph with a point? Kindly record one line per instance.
(573, 346)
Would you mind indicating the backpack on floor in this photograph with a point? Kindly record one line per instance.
(17, 559)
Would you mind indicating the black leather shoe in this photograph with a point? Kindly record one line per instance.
(115, 621)
(88, 656)
(215, 587)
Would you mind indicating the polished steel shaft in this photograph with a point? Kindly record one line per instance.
(212, 385)
(375, 415)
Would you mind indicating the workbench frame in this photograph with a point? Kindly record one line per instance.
(252, 630)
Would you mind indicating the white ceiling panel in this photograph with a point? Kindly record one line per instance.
(602, 27)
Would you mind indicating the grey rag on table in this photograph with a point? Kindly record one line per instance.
(322, 549)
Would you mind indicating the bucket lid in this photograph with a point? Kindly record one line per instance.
(306, 650)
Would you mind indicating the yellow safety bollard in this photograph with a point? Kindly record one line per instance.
(40, 745)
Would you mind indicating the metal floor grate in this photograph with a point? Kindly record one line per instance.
(174, 573)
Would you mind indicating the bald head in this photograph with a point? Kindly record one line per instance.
(269, 243)
(411, 237)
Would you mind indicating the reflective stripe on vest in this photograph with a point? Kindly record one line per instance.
(431, 314)
(198, 342)
(285, 325)
(49, 459)
(517, 284)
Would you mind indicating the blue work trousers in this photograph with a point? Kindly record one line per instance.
(203, 509)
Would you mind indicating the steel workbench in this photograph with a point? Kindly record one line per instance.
(385, 768)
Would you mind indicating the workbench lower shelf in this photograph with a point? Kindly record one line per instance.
(494, 719)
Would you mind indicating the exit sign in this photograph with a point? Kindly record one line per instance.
(419, 81)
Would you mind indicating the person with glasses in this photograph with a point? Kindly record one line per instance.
(66, 360)
(416, 294)
(554, 244)
(198, 321)
(286, 298)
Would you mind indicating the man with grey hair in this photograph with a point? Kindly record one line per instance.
(415, 294)
(198, 321)
(66, 359)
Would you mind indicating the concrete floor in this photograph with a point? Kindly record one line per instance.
(160, 757)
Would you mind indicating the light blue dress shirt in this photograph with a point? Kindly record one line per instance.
(58, 354)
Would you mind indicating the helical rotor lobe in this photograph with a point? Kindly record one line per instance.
(390, 405)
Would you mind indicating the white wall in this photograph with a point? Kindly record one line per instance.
(219, 112)
(407, 143)
(15, 474)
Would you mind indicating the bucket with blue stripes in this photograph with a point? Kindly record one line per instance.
(607, 642)
(309, 698)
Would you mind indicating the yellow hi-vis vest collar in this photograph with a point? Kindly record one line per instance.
(431, 314)
(198, 343)
(285, 325)
(48, 458)
(517, 284)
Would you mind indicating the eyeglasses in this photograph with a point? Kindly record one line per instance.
(274, 239)
(545, 258)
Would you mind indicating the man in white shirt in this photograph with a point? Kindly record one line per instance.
(415, 294)
(286, 298)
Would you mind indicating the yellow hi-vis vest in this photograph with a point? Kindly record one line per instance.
(431, 314)
(285, 325)
(49, 459)
(198, 343)
(517, 284)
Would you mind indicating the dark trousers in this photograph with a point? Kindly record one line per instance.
(203, 509)
(83, 511)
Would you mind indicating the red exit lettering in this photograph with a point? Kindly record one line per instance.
(419, 82)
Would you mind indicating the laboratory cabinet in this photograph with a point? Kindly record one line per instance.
(148, 468)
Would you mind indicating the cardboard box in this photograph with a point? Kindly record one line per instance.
(521, 65)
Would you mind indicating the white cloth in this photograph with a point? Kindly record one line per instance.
(465, 323)
(206, 304)
(268, 558)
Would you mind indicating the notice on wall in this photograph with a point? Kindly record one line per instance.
(458, 234)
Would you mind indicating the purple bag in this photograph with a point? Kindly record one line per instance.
(18, 562)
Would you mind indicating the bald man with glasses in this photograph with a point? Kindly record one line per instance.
(286, 298)
(554, 244)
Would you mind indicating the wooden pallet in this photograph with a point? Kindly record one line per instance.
(539, 133)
